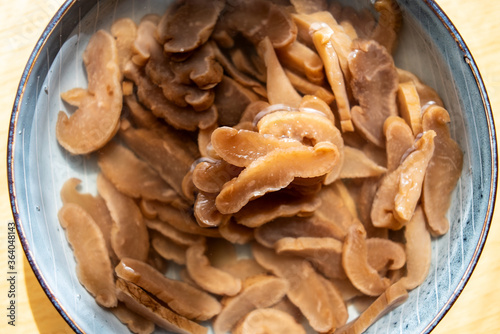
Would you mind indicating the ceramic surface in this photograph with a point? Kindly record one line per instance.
(429, 46)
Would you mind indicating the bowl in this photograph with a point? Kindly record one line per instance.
(430, 46)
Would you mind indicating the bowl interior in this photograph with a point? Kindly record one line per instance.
(39, 166)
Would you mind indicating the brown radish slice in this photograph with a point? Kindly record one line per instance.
(124, 31)
(181, 297)
(258, 292)
(97, 118)
(135, 322)
(324, 253)
(374, 84)
(309, 128)
(336, 301)
(418, 250)
(273, 205)
(93, 266)
(143, 304)
(340, 41)
(412, 177)
(322, 39)
(409, 106)
(269, 320)
(275, 171)
(179, 37)
(279, 88)
(210, 175)
(242, 147)
(236, 233)
(182, 220)
(399, 191)
(132, 176)
(389, 23)
(394, 296)
(181, 238)
(384, 253)
(316, 103)
(243, 268)
(356, 266)
(208, 277)
(306, 290)
(426, 94)
(399, 139)
(205, 212)
(295, 227)
(170, 161)
(94, 206)
(231, 100)
(443, 171)
(299, 57)
(358, 165)
(306, 87)
(129, 234)
(168, 249)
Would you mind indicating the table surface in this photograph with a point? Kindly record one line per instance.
(21, 23)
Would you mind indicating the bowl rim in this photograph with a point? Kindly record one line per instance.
(431, 4)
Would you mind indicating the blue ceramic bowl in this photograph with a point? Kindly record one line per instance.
(430, 47)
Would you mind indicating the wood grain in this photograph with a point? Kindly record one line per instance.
(476, 310)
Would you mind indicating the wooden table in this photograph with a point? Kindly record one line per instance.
(22, 21)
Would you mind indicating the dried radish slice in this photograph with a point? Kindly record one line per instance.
(93, 266)
(94, 206)
(295, 227)
(389, 24)
(129, 234)
(394, 296)
(418, 250)
(210, 176)
(400, 190)
(167, 249)
(142, 303)
(205, 212)
(374, 84)
(258, 292)
(271, 206)
(443, 171)
(242, 147)
(308, 128)
(409, 106)
(306, 289)
(399, 139)
(275, 171)
(97, 118)
(208, 277)
(125, 32)
(170, 161)
(132, 176)
(306, 87)
(270, 320)
(356, 266)
(135, 322)
(182, 220)
(279, 88)
(384, 253)
(179, 237)
(299, 57)
(181, 297)
(177, 36)
(324, 253)
(322, 39)
(358, 165)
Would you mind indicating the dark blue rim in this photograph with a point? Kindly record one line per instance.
(430, 3)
